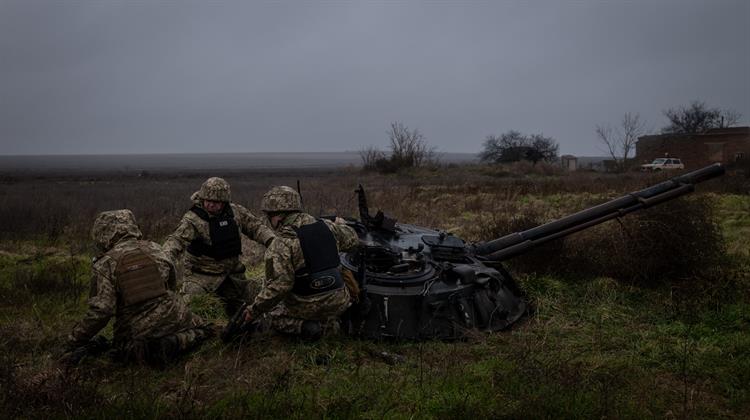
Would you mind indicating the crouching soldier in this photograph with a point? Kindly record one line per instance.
(303, 290)
(134, 281)
(210, 232)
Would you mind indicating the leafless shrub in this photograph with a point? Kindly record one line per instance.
(673, 242)
(370, 157)
(670, 243)
(513, 217)
(409, 149)
(512, 146)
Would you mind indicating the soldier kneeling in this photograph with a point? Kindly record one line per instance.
(134, 281)
(304, 291)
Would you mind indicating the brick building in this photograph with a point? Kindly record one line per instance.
(725, 145)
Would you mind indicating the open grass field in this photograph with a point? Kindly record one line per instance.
(645, 317)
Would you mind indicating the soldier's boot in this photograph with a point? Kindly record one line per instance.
(194, 337)
(311, 331)
(163, 350)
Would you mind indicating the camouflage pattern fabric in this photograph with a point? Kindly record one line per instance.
(284, 320)
(233, 288)
(112, 226)
(202, 273)
(282, 198)
(214, 189)
(116, 233)
(276, 303)
(192, 227)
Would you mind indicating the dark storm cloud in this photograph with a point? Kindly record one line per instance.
(137, 77)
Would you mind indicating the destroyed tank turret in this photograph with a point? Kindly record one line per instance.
(420, 283)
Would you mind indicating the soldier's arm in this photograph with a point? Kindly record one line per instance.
(179, 240)
(280, 268)
(102, 303)
(172, 277)
(346, 237)
(166, 266)
(253, 226)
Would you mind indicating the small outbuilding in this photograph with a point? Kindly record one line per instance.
(569, 162)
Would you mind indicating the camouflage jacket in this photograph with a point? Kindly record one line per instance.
(284, 257)
(166, 314)
(192, 227)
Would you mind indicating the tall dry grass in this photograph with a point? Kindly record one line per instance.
(62, 207)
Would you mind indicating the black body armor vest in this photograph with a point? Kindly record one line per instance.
(224, 233)
(320, 273)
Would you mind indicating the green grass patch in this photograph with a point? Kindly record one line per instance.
(733, 213)
(595, 347)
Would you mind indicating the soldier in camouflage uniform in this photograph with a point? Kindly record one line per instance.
(303, 292)
(135, 281)
(210, 232)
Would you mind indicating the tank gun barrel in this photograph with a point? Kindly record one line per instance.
(517, 243)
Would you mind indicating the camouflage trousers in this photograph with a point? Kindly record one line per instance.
(162, 350)
(231, 289)
(287, 317)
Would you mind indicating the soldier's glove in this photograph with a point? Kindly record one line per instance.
(94, 347)
(239, 324)
(248, 315)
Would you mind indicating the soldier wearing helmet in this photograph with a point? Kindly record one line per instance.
(134, 281)
(303, 292)
(210, 233)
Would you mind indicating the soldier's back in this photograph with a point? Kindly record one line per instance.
(147, 306)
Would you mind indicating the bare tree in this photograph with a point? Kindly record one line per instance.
(699, 118)
(543, 148)
(620, 141)
(513, 146)
(408, 147)
(371, 156)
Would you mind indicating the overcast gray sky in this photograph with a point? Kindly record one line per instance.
(178, 76)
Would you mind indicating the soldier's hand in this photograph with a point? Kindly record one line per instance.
(339, 221)
(237, 325)
(248, 316)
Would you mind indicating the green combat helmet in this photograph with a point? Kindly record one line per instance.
(214, 189)
(281, 199)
